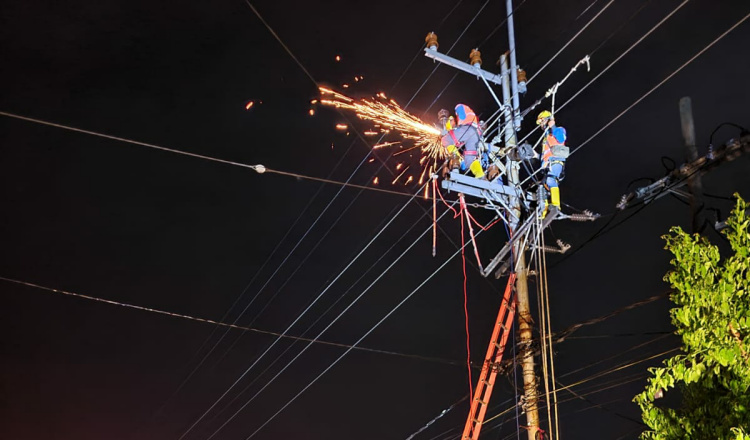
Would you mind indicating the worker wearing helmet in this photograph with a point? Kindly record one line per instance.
(554, 153)
(464, 134)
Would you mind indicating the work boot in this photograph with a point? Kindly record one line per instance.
(555, 196)
(476, 169)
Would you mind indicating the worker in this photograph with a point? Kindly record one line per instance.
(465, 133)
(554, 153)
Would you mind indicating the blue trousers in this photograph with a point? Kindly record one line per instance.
(554, 171)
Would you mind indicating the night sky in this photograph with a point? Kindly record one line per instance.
(137, 226)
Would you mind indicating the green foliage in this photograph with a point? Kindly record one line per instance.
(713, 318)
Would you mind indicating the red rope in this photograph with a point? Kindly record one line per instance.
(466, 300)
(455, 214)
(471, 230)
(434, 216)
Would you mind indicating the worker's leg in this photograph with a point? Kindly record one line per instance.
(475, 165)
(553, 176)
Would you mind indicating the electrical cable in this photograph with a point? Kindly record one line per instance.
(301, 352)
(601, 11)
(373, 328)
(301, 314)
(321, 315)
(711, 44)
(231, 326)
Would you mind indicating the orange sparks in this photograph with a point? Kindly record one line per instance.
(249, 105)
(408, 181)
(398, 166)
(426, 192)
(370, 133)
(338, 58)
(375, 181)
(346, 86)
(386, 115)
(372, 159)
(341, 126)
(384, 144)
(399, 176)
(314, 101)
(312, 112)
(421, 177)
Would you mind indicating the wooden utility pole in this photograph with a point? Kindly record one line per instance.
(694, 181)
(519, 254)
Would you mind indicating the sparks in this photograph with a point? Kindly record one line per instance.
(249, 105)
(399, 176)
(408, 181)
(341, 126)
(346, 86)
(312, 112)
(372, 159)
(398, 166)
(370, 133)
(338, 58)
(314, 101)
(387, 115)
(375, 181)
(384, 144)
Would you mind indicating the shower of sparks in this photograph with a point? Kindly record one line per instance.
(370, 133)
(387, 115)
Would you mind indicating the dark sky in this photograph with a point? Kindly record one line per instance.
(174, 233)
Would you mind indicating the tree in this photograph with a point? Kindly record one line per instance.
(712, 374)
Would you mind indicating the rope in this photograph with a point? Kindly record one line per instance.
(466, 297)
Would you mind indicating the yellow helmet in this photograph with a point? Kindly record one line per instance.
(543, 116)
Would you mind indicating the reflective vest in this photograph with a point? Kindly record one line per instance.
(555, 136)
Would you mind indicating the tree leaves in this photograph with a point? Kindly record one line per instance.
(713, 318)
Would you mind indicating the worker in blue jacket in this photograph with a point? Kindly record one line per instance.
(554, 153)
(465, 134)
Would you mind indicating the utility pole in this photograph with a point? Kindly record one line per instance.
(519, 253)
(694, 181)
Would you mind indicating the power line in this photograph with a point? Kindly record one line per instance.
(351, 304)
(290, 401)
(571, 40)
(261, 169)
(230, 326)
(301, 314)
(711, 44)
